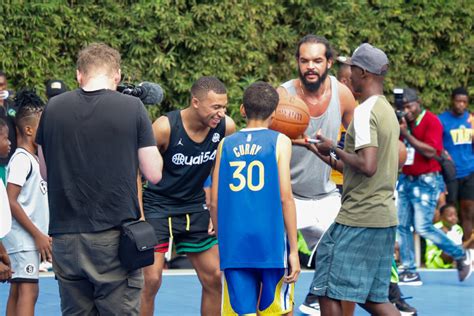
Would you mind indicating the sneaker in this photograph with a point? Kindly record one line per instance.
(408, 278)
(464, 267)
(395, 297)
(310, 305)
(45, 266)
(404, 308)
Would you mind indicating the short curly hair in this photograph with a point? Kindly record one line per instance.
(260, 100)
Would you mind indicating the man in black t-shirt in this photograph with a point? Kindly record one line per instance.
(91, 142)
(176, 207)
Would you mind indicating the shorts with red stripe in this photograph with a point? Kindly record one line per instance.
(189, 232)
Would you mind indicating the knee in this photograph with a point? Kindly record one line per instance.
(425, 230)
(212, 281)
(152, 283)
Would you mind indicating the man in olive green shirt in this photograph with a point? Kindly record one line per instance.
(354, 257)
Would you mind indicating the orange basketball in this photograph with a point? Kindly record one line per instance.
(402, 154)
(291, 117)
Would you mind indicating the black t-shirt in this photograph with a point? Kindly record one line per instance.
(90, 141)
(187, 164)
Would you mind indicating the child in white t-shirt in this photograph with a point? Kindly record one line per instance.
(27, 242)
(5, 214)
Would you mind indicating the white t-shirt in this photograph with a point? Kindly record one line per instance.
(5, 213)
(23, 170)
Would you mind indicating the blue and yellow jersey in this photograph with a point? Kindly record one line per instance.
(250, 216)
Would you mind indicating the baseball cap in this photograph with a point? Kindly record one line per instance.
(344, 60)
(55, 87)
(410, 95)
(370, 58)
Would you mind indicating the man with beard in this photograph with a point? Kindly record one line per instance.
(418, 189)
(329, 103)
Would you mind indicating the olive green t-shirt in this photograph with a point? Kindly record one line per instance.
(369, 201)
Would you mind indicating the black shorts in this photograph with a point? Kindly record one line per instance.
(189, 232)
(461, 189)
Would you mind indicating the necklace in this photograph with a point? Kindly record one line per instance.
(306, 99)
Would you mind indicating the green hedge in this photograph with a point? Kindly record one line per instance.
(429, 43)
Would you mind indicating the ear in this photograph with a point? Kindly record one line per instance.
(79, 77)
(242, 111)
(194, 102)
(118, 76)
(28, 130)
(330, 63)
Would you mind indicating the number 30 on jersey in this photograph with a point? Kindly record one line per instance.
(251, 176)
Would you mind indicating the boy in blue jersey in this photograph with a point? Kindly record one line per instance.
(253, 212)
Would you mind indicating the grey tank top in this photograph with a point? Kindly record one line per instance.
(310, 176)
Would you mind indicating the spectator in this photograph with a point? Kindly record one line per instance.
(419, 188)
(27, 242)
(55, 87)
(7, 113)
(91, 142)
(435, 258)
(5, 213)
(458, 140)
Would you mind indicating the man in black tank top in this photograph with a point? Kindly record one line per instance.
(176, 207)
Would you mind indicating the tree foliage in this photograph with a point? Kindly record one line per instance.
(174, 42)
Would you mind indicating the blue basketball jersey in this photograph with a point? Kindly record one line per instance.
(250, 217)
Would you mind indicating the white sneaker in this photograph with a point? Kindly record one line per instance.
(45, 266)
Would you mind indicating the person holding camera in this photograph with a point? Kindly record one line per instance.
(419, 187)
(91, 143)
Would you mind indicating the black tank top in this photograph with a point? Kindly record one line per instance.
(186, 165)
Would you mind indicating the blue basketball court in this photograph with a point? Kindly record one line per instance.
(440, 295)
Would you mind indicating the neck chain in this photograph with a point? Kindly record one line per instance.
(305, 97)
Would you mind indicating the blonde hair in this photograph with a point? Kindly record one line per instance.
(96, 57)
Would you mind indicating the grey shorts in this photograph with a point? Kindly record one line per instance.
(91, 278)
(353, 263)
(25, 265)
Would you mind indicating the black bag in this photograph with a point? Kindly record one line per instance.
(448, 168)
(137, 245)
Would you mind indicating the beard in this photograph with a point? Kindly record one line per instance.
(312, 86)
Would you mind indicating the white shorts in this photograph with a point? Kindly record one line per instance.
(313, 217)
(25, 266)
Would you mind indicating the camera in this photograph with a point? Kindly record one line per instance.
(129, 89)
(148, 92)
(398, 97)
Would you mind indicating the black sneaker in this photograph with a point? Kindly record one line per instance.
(395, 297)
(310, 305)
(404, 308)
(408, 278)
(464, 266)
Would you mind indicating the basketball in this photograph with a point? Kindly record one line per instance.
(402, 154)
(291, 117)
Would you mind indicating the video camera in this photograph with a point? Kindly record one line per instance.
(398, 97)
(148, 92)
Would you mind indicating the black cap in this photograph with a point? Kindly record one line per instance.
(410, 95)
(55, 87)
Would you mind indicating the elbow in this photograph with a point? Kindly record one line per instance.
(155, 178)
(369, 171)
(430, 154)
